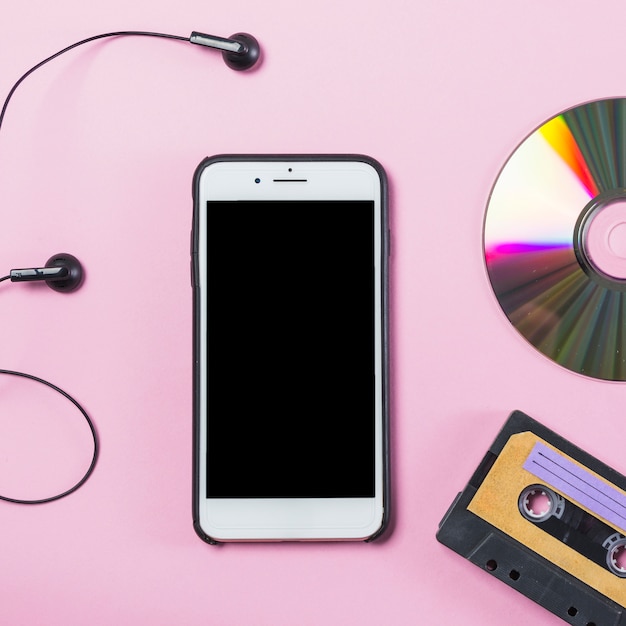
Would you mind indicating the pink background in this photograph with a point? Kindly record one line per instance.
(97, 154)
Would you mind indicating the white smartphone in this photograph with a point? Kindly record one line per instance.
(289, 274)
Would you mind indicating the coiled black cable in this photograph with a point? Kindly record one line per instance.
(92, 428)
(96, 445)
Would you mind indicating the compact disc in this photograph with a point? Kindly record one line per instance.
(555, 239)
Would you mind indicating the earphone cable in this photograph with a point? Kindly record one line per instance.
(123, 33)
(94, 435)
(92, 428)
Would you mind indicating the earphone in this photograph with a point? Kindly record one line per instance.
(63, 272)
(240, 51)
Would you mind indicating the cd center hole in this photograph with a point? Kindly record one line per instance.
(605, 239)
(617, 240)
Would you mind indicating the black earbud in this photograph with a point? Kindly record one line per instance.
(240, 51)
(63, 272)
(246, 57)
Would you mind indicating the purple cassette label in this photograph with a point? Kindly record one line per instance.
(578, 484)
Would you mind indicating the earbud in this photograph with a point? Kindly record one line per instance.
(63, 272)
(240, 51)
(245, 58)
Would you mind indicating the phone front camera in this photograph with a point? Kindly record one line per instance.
(257, 180)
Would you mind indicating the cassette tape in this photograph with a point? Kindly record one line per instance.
(549, 520)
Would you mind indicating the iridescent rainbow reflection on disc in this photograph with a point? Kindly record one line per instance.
(552, 187)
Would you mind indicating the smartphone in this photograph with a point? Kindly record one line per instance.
(289, 274)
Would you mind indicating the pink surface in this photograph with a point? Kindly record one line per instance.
(96, 158)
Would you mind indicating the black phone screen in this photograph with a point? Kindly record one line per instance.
(290, 349)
